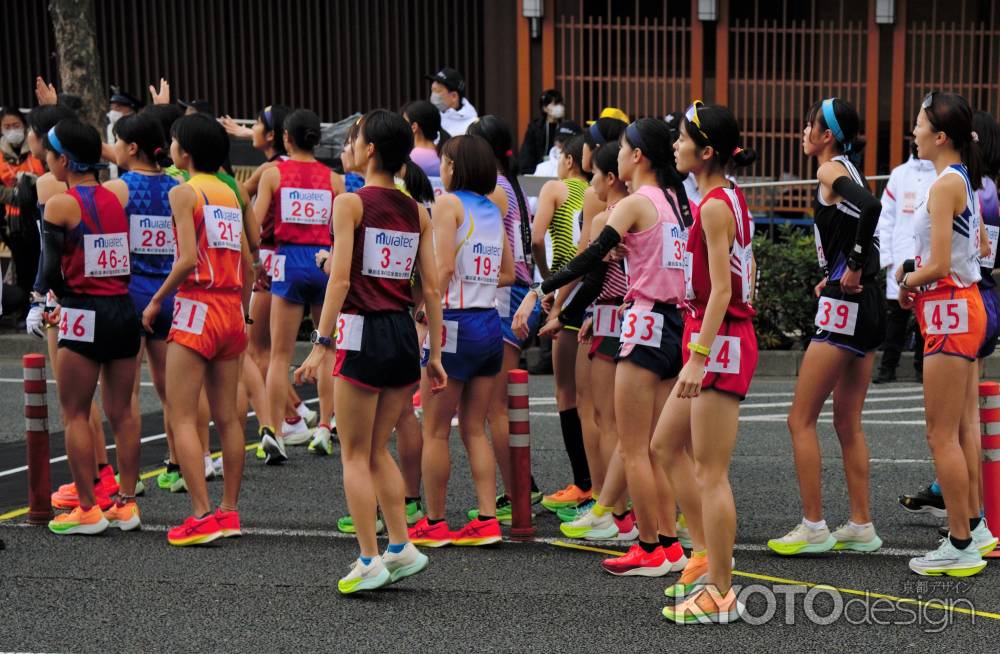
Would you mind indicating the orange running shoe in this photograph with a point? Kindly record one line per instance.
(229, 521)
(78, 521)
(694, 577)
(67, 497)
(479, 532)
(195, 531)
(124, 516)
(569, 496)
(425, 534)
(705, 607)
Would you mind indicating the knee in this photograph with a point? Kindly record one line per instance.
(847, 427)
(797, 422)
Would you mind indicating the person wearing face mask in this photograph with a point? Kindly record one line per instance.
(448, 95)
(120, 104)
(540, 136)
(18, 171)
(549, 167)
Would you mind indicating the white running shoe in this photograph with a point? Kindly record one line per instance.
(803, 540)
(983, 539)
(322, 442)
(857, 539)
(274, 449)
(217, 464)
(591, 527)
(949, 560)
(209, 468)
(364, 577)
(311, 417)
(297, 433)
(407, 563)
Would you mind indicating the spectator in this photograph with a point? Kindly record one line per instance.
(448, 95)
(540, 136)
(121, 104)
(548, 168)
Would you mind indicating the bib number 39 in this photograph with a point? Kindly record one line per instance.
(642, 328)
(946, 317)
(837, 316)
(77, 325)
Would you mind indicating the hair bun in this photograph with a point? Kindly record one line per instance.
(744, 156)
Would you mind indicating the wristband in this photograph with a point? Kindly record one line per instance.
(699, 349)
(247, 319)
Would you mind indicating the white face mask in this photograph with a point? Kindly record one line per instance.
(555, 111)
(15, 137)
(114, 115)
(438, 101)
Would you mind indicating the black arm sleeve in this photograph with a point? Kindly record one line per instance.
(584, 262)
(870, 209)
(53, 241)
(586, 293)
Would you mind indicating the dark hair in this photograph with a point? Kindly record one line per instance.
(849, 122)
(573, 147)
(77, 138)
(273, 118)
(475, 167)
(427, 118)
(719, 124)
(497, 133)
(610, 129)
(205, 141)
(549, 96)
(146, 132)
(303, 129)
(606, 159)
(950, 113)
(165, 115)
(417, 183)
(10, 110)
(988, 131)
(70, 101)
(43, 118)
(391, 136)
(654, 139)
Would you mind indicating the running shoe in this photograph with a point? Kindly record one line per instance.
(694, 576)
(949, 560)
(856, 539)
(414, 512)
(504, 509)
(683, 535)
(124, 516)
(983, 539)
(591, 527)
(571, 513)
(364, 577)
(219, 467)
(179, 485)
(478, 532)
(708, 606)
(296, 433)
(195, 531)
(424, 534)
(78, 521)
(346, 525)
(274, 448)
(418, 408)
(109, 480)
(322, 441)
(639, 563)
(405, 564)
(259, 452)
(924, 501)
(209, 468)
(627, 527)
(308, 415)
(229, 522)
(140, 488)
(167, 478)
(66, 497)
(803, 540)
(569, 496)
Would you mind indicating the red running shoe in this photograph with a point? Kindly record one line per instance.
(195, 531)
(67, 498)
(627, 529)
(229, 522)
(479, 532)
(639, 563)
(425, 534)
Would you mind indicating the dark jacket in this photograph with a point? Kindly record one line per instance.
(538, 140)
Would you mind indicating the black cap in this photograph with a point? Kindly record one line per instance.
(201, 106)
(450, 78)
(568, 128)
(121, 97)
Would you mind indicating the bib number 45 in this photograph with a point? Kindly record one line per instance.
(946, 317)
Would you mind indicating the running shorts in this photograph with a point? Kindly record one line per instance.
(606, 327)
(991, 302)
(210, 323)
(952, 321)
(295, 275)
(855, 323)
(101, 328)
(377, 350)
(731, 365)
(142, 288)
(509, 298)
(651, 338)
(471, 345)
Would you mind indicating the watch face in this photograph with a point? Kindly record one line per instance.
(314, 336)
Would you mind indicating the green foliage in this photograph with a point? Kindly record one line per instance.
(787, 273)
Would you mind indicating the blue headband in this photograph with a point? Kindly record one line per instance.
(267, 119)
(74, 165)
(595, 133)
(831, 121)
(632, 132)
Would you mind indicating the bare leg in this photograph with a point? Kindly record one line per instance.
(355, 429)
(588, 420)
(848, 400)
(472, 427)
(409, 444)
(436, 459)
(75, 399)
(387, 480)
(119, 380)
(185, 387)
(221, 382)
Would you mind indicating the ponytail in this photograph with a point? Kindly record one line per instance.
(950, 113)
(416, 182)
(653, 138)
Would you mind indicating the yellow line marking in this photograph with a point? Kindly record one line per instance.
(781, 580)
(13, 514)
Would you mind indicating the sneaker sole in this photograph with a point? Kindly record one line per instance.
(727, 617)
(126, 525)
(682, 591)
(858, 546)
(196, 540)
(988, 547)
(632, 535)
(950, 572)
(296, 439)
(231, 533)
(405, 571)
(431, 543)
(932, 510)
(320, 451)
(180, 486)
(82, 530)
(477, 542)
(659, 571)
(354, 586)
(555, 506)
(793, 549)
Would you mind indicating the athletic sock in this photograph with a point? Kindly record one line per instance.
(666, 541)
(600, 510)
(620, 516)
(961, 544)
(432, 521)
(396, 548)
(814, 525)
(572, 433)
(484, 518)
(859, 525)
(649, 548)
(534, 486)
(936, 488)
(974, 523)
(173, 467)
(367, 560)
(412, 499)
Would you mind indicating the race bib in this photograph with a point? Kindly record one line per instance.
(105, 255)
(674, 247)
(993, 231)
(350, 327)
(642, 328)
(819, 247)
(304, 206)
(389, 253)
(725, 356)
(223, 227)
(266, 259)
(518, 244)
(151, 234)
(745, 255)
(278, 268)
(607, 320)
(909, 202)
(77, 325)
(688, 275)
(481, 263)
(189, 315)
(449, 337)
(837, 316)
(503, 302)
(946, 316)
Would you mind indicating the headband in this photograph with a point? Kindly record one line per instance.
(74, 164)
(831, 121)
(267, 119)
(595, 134)
(634, 137)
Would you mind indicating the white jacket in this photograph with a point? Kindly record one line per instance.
(908, 184)
(456, 121)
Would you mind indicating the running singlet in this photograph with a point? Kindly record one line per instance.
(656, 255)
(615, 280)
(740, 258)
(95, 258)
(964, 236)
(835, 227)
(385, 252)
(989, 212)
(428, 160)
(303, 203)
(151, 225)
(218, 225)
(478, 251)
(267, 225)
(512, 225)
(564, 228)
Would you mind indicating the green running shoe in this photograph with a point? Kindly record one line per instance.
(504, 510)
(166, 479)
(322, 442)
(571, 513)
(140, 488)
(260, 454)
(414, 512)
(346, 525)
(536, 496)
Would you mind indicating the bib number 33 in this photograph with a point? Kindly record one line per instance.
(642, 328)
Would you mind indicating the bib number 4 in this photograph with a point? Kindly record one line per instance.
(725, 356)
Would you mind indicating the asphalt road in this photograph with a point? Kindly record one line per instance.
(275, 589)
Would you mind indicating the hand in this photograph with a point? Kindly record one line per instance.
(548, 301)
(436, 375)
(586, 331)
(149, 314)
(906, 298)
(688, 383)
(551, 328)
(617, 253)
(34, 323)
(899, 274)
(163, 95)
(306, 373)
(321, 257)
(52, 317)
(519, 323)
(850, 281)
(819, 287)
(45, 93)
(234, 129)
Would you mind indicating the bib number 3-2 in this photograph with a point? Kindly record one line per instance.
(642, 328)
(837, 316)
(946, 317)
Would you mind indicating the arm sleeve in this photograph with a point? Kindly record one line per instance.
(886, 223)
(870, 209)
(581, 264)
(53, 241)
(585, 295)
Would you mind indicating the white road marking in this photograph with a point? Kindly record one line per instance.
(16, 380)
(769, 405)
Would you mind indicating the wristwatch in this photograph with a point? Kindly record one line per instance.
(316, 339)
(536, 287)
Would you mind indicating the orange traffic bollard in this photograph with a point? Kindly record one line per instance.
(36, 428)
(522, 527)
(989, 425)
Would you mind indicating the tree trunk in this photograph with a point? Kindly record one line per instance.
(75, 27)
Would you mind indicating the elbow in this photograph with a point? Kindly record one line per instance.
(537, 244)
